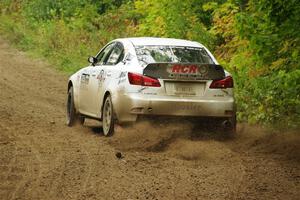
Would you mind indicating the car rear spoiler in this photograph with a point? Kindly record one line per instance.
(184, 71)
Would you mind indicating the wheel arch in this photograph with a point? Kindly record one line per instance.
(70, 84)
(75, 93)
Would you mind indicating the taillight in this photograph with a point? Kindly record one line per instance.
(138, 79)
(224, 83)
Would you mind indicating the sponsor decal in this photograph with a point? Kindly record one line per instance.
(203, 69)
(122, 77)
(122, 74)
(85, 78)
(187, 71)
(184, 69)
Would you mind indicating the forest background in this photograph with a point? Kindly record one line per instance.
(255, 40)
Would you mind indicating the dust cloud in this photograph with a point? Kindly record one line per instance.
(186, 140)
(150, 136)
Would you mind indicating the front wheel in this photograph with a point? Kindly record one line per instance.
(108, 117)
(71, 111)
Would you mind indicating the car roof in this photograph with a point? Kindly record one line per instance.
(140, 41)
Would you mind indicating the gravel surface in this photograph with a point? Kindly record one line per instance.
(42, 158)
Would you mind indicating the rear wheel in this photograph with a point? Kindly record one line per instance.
(233, 121)
(108, 117)
(71, 111)
(230, 129)
(81, 119)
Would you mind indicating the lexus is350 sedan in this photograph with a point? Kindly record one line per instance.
(133, 77)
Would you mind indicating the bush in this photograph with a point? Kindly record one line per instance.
(272, 99)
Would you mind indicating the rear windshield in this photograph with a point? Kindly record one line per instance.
(173, 54)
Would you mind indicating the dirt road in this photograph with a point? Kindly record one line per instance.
(41, 158)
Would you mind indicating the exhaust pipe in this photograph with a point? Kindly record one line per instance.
(226, 124)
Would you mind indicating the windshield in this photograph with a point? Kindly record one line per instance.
(173, 54)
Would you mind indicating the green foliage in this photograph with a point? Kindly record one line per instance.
(64, 33)
(224, 29)
(171, 18)
(41, 10)
(271, 28)
(270, 99)
(258, 41)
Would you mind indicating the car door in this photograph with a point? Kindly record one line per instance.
(107, 75)
(90, 81)
(84, 82)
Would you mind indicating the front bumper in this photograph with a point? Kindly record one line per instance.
(129, 106)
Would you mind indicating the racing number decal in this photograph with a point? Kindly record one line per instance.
(101, 77)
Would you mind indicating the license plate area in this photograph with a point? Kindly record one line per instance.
(185, 88)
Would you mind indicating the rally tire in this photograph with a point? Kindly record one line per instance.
(233, 121)
(231, 132)
(108, 122)
(71, 116)
(81, 119)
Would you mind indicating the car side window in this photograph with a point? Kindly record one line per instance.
(116, 55)
(102, 56)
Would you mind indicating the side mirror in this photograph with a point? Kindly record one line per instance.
(92, 60)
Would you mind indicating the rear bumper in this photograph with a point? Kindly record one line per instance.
(129, 106)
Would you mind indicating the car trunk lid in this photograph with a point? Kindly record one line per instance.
(184, 79)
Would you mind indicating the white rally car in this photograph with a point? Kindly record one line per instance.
(145, 76)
